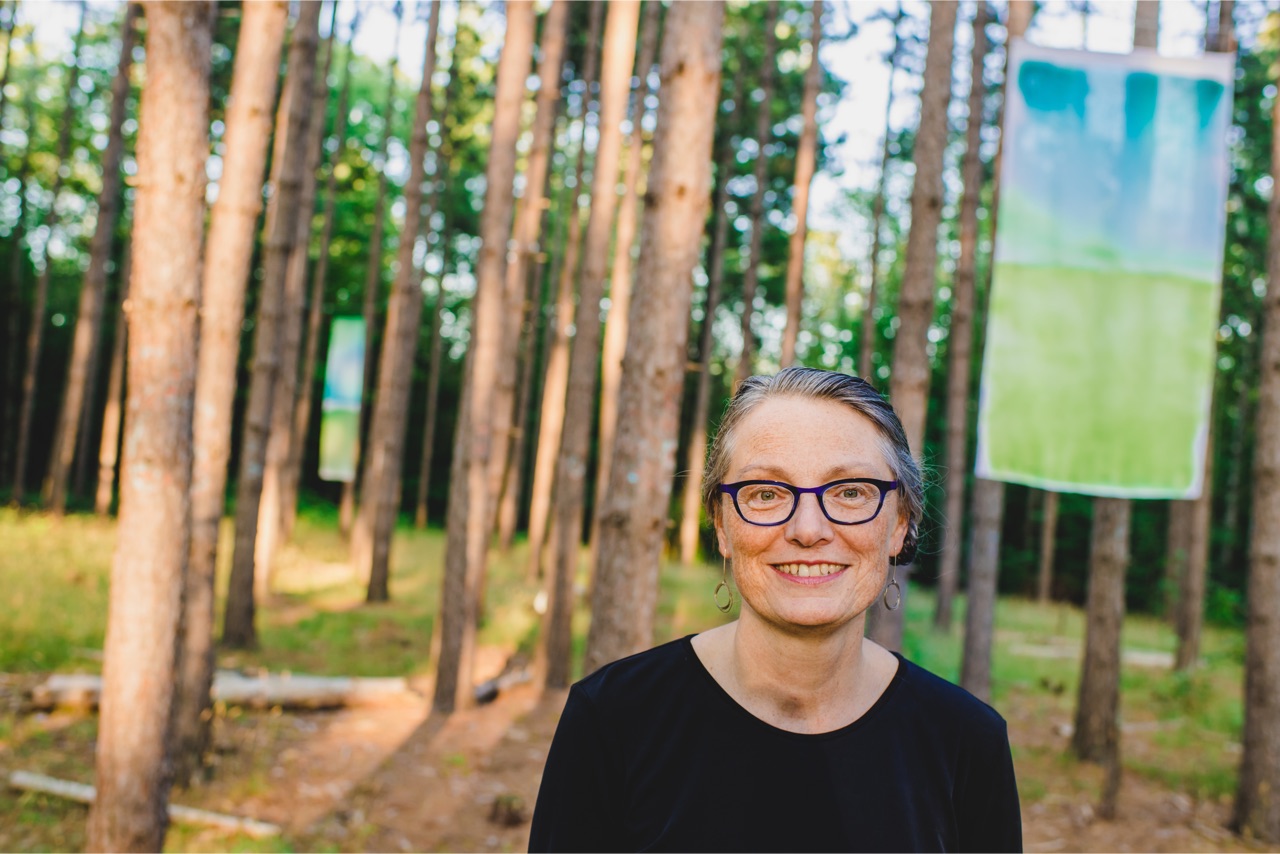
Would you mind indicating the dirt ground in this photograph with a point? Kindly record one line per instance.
(394, 778)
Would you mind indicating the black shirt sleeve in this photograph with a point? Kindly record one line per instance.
(576, 808)
(989, 815)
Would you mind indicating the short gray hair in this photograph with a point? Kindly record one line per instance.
(815, 384)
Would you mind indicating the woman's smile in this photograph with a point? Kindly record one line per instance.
(810, 572)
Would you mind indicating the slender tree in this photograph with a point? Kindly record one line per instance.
(315, 310)
(275, 496)
(1257, 804)
(764, 135)
(1048, 538)
(960, 337)
(113, 412)
(381, 495)
(524, 238)
(1096, 737)
(372, 288)
(695, 461)
(806, 154)
(615, 328)
(228, 255)
(288, 162)
(575, 441)
(467, 528)
(867, 333)
(133, 776)
(909, 386)
(35, 333)
(555, 386)
(624, 594)
(92, 292)
(18, 263)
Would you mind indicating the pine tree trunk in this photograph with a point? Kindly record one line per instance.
(575, 442)
(867, 334)
(1098, 706)
(228, 256)
(372, 290)
(288, 162)
(35, 333)
(525, 235)
(92, 292)
(1257, 804)
(467, 528)
(113, 412)
(315, 313)
(144, 614)
(18, 262)
(624, 593)
(385, 459)
(806, 155)
(696, 459)
(615, 328)
(1177, 548)
(279, 450)
(909, 385)
(979, 618)
(1048, 539)
(764, 137)
(960, 337)
(88, 316)
(556, 384)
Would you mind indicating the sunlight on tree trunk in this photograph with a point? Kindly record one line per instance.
(625, 589)
(113, 412)
(144, 614)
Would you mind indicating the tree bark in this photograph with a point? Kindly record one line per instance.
(113, 412)
(92, 292)
(555, 386)
(1048, 539)
(1098, 706)
(18, 262)
(467, 528)
(275, 494)
(806, 155)
(696, 459)
(315, 311)
(979, 618)
(909, 384)
(624, 593)
(525, 236)
(35, 334)
(575, 441)
(228, 256)
(1257, 804)
(288, 162)
(143, 621)
(381, 490)
(960, 336)
(764, 136)
(867, 333)
(372, 289)
(1177, 543)
(615, 328)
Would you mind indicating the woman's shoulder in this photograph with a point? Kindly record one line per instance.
(640, 675)
(945, 701)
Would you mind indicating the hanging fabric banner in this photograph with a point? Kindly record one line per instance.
(1100, 345)
(340, 407)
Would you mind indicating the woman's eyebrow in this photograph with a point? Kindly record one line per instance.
(853, 468)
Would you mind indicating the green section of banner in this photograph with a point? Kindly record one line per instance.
(340, 407)
(1097, 378)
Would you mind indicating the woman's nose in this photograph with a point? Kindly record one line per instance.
(808, 525)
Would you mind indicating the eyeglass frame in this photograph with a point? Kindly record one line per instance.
(884, 486)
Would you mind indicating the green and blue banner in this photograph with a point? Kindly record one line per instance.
(340, 406)
(1100, 344)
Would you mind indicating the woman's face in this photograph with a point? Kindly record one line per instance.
(808, 443)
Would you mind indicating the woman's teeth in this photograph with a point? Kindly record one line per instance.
(805, 570)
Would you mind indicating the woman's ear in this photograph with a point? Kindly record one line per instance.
(721, 540)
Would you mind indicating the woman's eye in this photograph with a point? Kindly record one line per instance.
(767, 495)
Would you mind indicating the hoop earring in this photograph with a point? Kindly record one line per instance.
(723, 585)
(896, 589)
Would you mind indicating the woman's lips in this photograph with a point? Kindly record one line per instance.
(809, 573)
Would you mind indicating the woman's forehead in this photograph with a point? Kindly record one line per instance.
(806, 435)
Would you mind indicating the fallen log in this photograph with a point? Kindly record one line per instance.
(286, 690)
(85, 794)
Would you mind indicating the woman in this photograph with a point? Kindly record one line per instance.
(787, 730)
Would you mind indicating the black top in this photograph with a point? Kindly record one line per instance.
(651, 754)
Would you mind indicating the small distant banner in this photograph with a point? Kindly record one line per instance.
(1100, 343)
(340, 407)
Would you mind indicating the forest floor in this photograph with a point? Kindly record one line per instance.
(392, 777)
